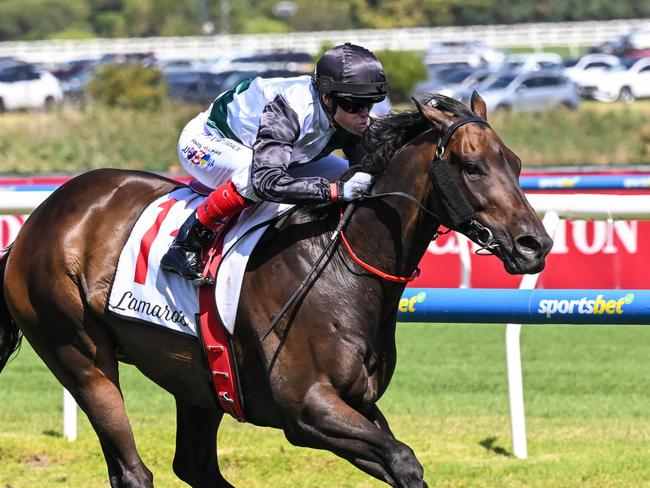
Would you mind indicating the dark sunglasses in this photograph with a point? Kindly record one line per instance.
(353, 106)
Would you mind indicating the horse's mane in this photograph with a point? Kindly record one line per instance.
(386, 135)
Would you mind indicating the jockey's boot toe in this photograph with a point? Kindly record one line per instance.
(182, 261)
(184, 255)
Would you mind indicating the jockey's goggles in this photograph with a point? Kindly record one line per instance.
(353, 106)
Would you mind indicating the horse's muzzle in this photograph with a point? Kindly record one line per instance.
(529, 254)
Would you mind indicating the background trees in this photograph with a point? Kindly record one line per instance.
(46, 19)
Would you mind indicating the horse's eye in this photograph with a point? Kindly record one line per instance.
(471, 169)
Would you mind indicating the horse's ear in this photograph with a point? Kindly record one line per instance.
(418, 105)
(478, 105)
(433, 115)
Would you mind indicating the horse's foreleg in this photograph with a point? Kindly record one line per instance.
(377, 417)
(195, 460)
(327, 422)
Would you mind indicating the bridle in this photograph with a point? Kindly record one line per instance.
(458, 208)
(455, 203)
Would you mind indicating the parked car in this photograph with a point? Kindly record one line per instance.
(74, 76)
(532, 61)
(533, 91)
(74, 86)
(451, 82)
(582, 70)
(627, 45)
(203, 86)
(451, 63)
(10, 62)
(287, 60)
(626, 82)
(143, 58)
(248, 61)
(179, 65)
(474, 52)
(194, 86)
(26, 86)
(66, 71)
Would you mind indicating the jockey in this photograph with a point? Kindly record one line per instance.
(271, 139)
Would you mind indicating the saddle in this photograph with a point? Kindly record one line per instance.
(142, 292)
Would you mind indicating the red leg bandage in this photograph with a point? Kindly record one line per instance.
(221, 205)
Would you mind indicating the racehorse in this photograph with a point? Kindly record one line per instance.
(319, 373)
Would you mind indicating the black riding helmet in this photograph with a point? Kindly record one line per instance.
(351, 72)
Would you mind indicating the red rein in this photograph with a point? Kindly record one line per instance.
(373, 270)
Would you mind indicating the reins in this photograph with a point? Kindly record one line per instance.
(338, 232)
(375, 271)
(345, 216)
(453, 200)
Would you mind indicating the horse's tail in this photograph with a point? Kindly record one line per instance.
(10, 335)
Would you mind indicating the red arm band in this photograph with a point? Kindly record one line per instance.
(334, 191)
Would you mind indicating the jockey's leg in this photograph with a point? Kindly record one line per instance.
(198, 231)
(213, 160)
(209, 157)
(330, 167)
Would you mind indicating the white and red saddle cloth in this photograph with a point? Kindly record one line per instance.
(144, 292)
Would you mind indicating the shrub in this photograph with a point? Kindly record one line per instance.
(128, 86)
(403, 70)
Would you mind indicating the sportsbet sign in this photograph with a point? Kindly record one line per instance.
(585, 306)
(499, 305)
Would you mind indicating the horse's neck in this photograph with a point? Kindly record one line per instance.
(392, 234)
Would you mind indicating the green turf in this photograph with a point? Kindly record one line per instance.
(587, 392)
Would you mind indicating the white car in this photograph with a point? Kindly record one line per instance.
(583, 70)
(26, 86)
(471, 52)
(639, 39)
(626, 82)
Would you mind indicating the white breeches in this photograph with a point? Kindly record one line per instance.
(213, 160)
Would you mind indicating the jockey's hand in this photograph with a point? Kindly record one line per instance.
(356, 186)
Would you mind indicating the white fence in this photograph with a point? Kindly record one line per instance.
(536, 36)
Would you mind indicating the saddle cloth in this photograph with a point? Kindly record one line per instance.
(142, 291)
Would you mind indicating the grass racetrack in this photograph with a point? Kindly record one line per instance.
(587, 393)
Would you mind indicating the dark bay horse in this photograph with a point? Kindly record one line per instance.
(319, 374)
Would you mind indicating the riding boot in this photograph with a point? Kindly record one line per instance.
(199, 230)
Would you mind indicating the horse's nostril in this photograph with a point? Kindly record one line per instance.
(529, 244)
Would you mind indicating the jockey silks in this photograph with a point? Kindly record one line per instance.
(260, 134)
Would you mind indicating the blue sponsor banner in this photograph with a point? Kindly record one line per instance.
(585, 182)
(29, 187)
(499, 305)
